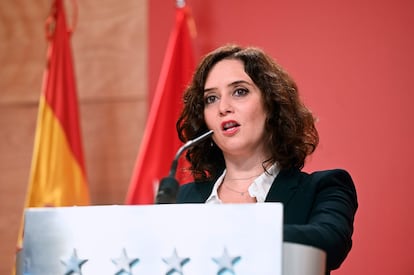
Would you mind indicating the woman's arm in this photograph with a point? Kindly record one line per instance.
(331, 218)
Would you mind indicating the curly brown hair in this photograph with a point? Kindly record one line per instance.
(290, 133)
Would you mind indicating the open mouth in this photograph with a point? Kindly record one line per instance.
(229, 125)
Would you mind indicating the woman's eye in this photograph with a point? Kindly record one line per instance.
(210, 99)
(241, 92)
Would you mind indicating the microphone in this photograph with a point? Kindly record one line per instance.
(168, 188)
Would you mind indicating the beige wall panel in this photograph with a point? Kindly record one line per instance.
(110, 146)
(22, 49)
(16, 146)
(109, 48)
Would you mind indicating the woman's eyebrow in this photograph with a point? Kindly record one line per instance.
(234, 83)
(237, 82)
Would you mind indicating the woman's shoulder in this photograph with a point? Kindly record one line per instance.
(337, 174)
(331, 173)
(333, 178)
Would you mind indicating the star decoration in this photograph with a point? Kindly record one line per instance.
(175, 263)
(26, 266)
(124, 264)
(73, 264)
(225, 262)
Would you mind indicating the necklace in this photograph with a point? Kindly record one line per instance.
(247, 178)
(235, 191)
(241, 193)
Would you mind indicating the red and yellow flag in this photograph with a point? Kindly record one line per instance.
(160, 142)
(58, 176)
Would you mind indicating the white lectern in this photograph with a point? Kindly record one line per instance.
(163, 239)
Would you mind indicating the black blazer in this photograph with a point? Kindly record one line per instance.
(319, 208)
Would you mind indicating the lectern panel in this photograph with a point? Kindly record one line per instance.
(154, 239)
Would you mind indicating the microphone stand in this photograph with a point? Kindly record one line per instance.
(168, 188)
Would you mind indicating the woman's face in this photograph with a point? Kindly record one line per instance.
(233, 108)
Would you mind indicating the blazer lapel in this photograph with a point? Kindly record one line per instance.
(204, 190)
(284, 186)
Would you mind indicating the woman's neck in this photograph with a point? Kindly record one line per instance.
(243, 174)
(236, 182)
(245, 168)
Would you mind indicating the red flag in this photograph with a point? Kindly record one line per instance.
(160, 141)
(58, 176)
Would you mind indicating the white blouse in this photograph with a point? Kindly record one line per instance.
(258, 189)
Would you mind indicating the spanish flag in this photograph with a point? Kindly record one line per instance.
(58, 176)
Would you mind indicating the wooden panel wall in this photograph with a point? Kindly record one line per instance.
(109, 47)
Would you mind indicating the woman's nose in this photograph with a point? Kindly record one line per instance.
(225, 106)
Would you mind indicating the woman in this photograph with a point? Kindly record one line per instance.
(262, 136)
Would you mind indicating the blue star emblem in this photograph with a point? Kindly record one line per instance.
(175, 263)
(73, 264)
(26, 266)
(225, 262)
(124, 264)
